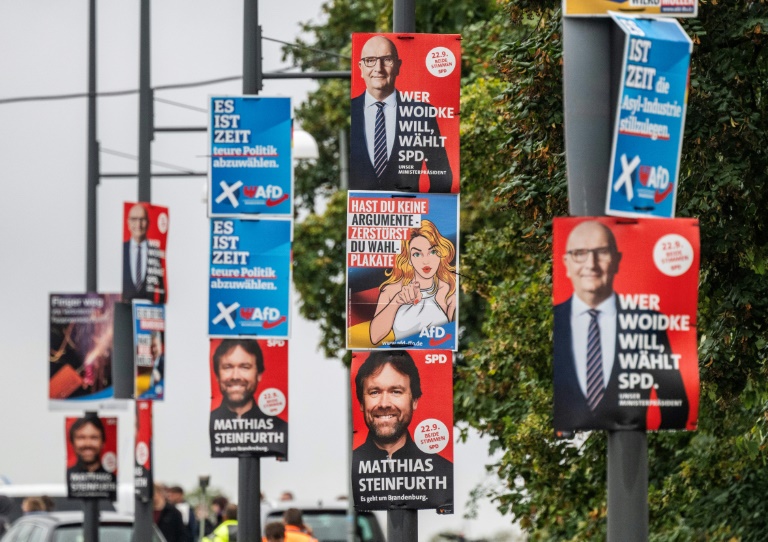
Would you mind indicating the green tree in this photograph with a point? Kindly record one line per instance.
(707, 485)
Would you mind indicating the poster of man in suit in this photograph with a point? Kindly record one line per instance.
(625, 296)
(144, 243)
(405, 112)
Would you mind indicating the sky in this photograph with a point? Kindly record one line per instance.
(43, 51)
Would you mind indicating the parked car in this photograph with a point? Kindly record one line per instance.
(328, 522)
(58, 494)
(68, 527)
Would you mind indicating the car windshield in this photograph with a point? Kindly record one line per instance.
(107, 533)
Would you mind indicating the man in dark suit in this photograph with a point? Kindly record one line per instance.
(592, 389)
(135, 254)
(392, 138)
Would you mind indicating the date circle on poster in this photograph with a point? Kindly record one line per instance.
(142, 453)
(441, 62)
(109, 461)
(432, 436)
(162, 223)
(673, 255)
(272, 401)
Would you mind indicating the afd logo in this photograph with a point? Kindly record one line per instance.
(271, 193)
(268, 316)
(657, 179)
(436, 335)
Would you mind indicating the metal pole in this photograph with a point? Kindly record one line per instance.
(403, 525)
(627, 486)
(143, 510)
(93, 157)
(249, 499)
(249, 468)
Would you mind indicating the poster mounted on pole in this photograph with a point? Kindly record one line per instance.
(402, 270)
(249, 278)
(149, 350)
(80, 350)
(600, 8)
(250, 166)
(142, 469)
(402, 418)
(648, 133)
(91, 457)
(625, 298)
(249, 398)
(405, 112)
(145, 235)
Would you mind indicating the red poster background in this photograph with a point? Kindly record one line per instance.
(275, 374)
(637, 274)
(413, 50)
(144, 428)
(110, 443)
(436, 400)
(157, 230)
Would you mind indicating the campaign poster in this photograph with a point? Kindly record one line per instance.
(80, 348)
(91, 457)
(402, 423)
(668, 8)
(149, 350)
(405, 112)
(402, 270)
(251, 169)
(250, 278)
(142, 467)
(249, 398)
(625, 297)
(648, 134)
(145, 233)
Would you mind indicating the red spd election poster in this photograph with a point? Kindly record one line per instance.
(142, 469)
(402, 419)
(145, 233)
(405, 112)
(249, 398)
(91, 457)
(625, 297)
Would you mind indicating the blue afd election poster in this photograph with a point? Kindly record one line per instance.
(402, 270)
(249, 278)
(648, 134)
(148, 350)
(251, 170)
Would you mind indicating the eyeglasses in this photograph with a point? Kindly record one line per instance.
(135, 219)
(371, 61)
(580, 255)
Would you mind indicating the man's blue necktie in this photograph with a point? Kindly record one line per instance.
(380, 141)
(595, 385)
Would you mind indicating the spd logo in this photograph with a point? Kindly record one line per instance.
(268, 317)
(271, 194)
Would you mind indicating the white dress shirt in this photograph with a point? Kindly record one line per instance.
(606, 321)
(390, 121)
(134, 246)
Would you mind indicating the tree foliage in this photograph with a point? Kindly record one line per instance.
(707, 485)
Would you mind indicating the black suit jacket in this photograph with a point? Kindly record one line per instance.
(361, 173)
(155, 294)
(571, 410)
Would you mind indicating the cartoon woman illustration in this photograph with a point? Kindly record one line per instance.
(421, 288)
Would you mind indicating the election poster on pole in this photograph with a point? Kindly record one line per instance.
(405, 112)
(625, 298)
(142, 469)
(402, 416)
(80, 350)
(91, 457)
(249, 397)
(149, 350)
(661, 8)
(145, 235)
(250, 166)
(648, 131)
(402, 270)
(249, 278)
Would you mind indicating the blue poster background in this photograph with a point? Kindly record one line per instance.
(251, 171)
(372, 253)
(149, 350)
(249, 278)
(650, 118)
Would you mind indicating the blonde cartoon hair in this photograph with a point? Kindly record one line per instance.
(403, 270)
